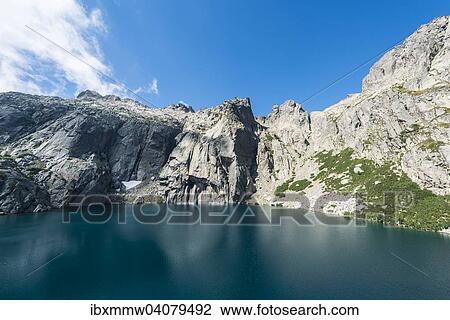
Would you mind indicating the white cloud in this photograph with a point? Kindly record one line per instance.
(152, 88)
(29, 63)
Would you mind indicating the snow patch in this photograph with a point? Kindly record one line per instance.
(131, 184)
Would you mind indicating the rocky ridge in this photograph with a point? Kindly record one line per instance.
(394, 135)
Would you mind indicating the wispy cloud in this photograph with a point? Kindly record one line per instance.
(154, 86)
(31, 64)
(151, 88)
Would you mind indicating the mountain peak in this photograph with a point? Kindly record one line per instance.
(421, 61)
(89, 94)
(180, 106)
(289, 106)
(238, 102)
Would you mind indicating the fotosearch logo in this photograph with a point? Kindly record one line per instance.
(328, 209)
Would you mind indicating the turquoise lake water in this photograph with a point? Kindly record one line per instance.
(43, 258)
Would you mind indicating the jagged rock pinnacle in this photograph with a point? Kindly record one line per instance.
(89, 94)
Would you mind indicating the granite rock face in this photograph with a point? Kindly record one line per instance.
(214, 159)
(87, 145)
(18, 192)
(402, 115)
(53, 149)
(420, 62)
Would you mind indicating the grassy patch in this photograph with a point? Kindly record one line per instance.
(291, 185)
(281, 189)
(431, 145)
(446, 110)
(371, 139)
(278, 204)
(384, 188)
(300, 185)
(400, 88)
(269, 137)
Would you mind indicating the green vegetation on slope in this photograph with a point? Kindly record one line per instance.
(431, 145)
(289, 185)
(300, 185)
(281, 189)
(269, 137)
(392, 197)
(400, 88)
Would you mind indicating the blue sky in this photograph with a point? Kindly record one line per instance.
(203, 52)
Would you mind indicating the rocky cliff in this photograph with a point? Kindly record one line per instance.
(394, 135)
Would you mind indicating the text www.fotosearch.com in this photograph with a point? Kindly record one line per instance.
(217, 310)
